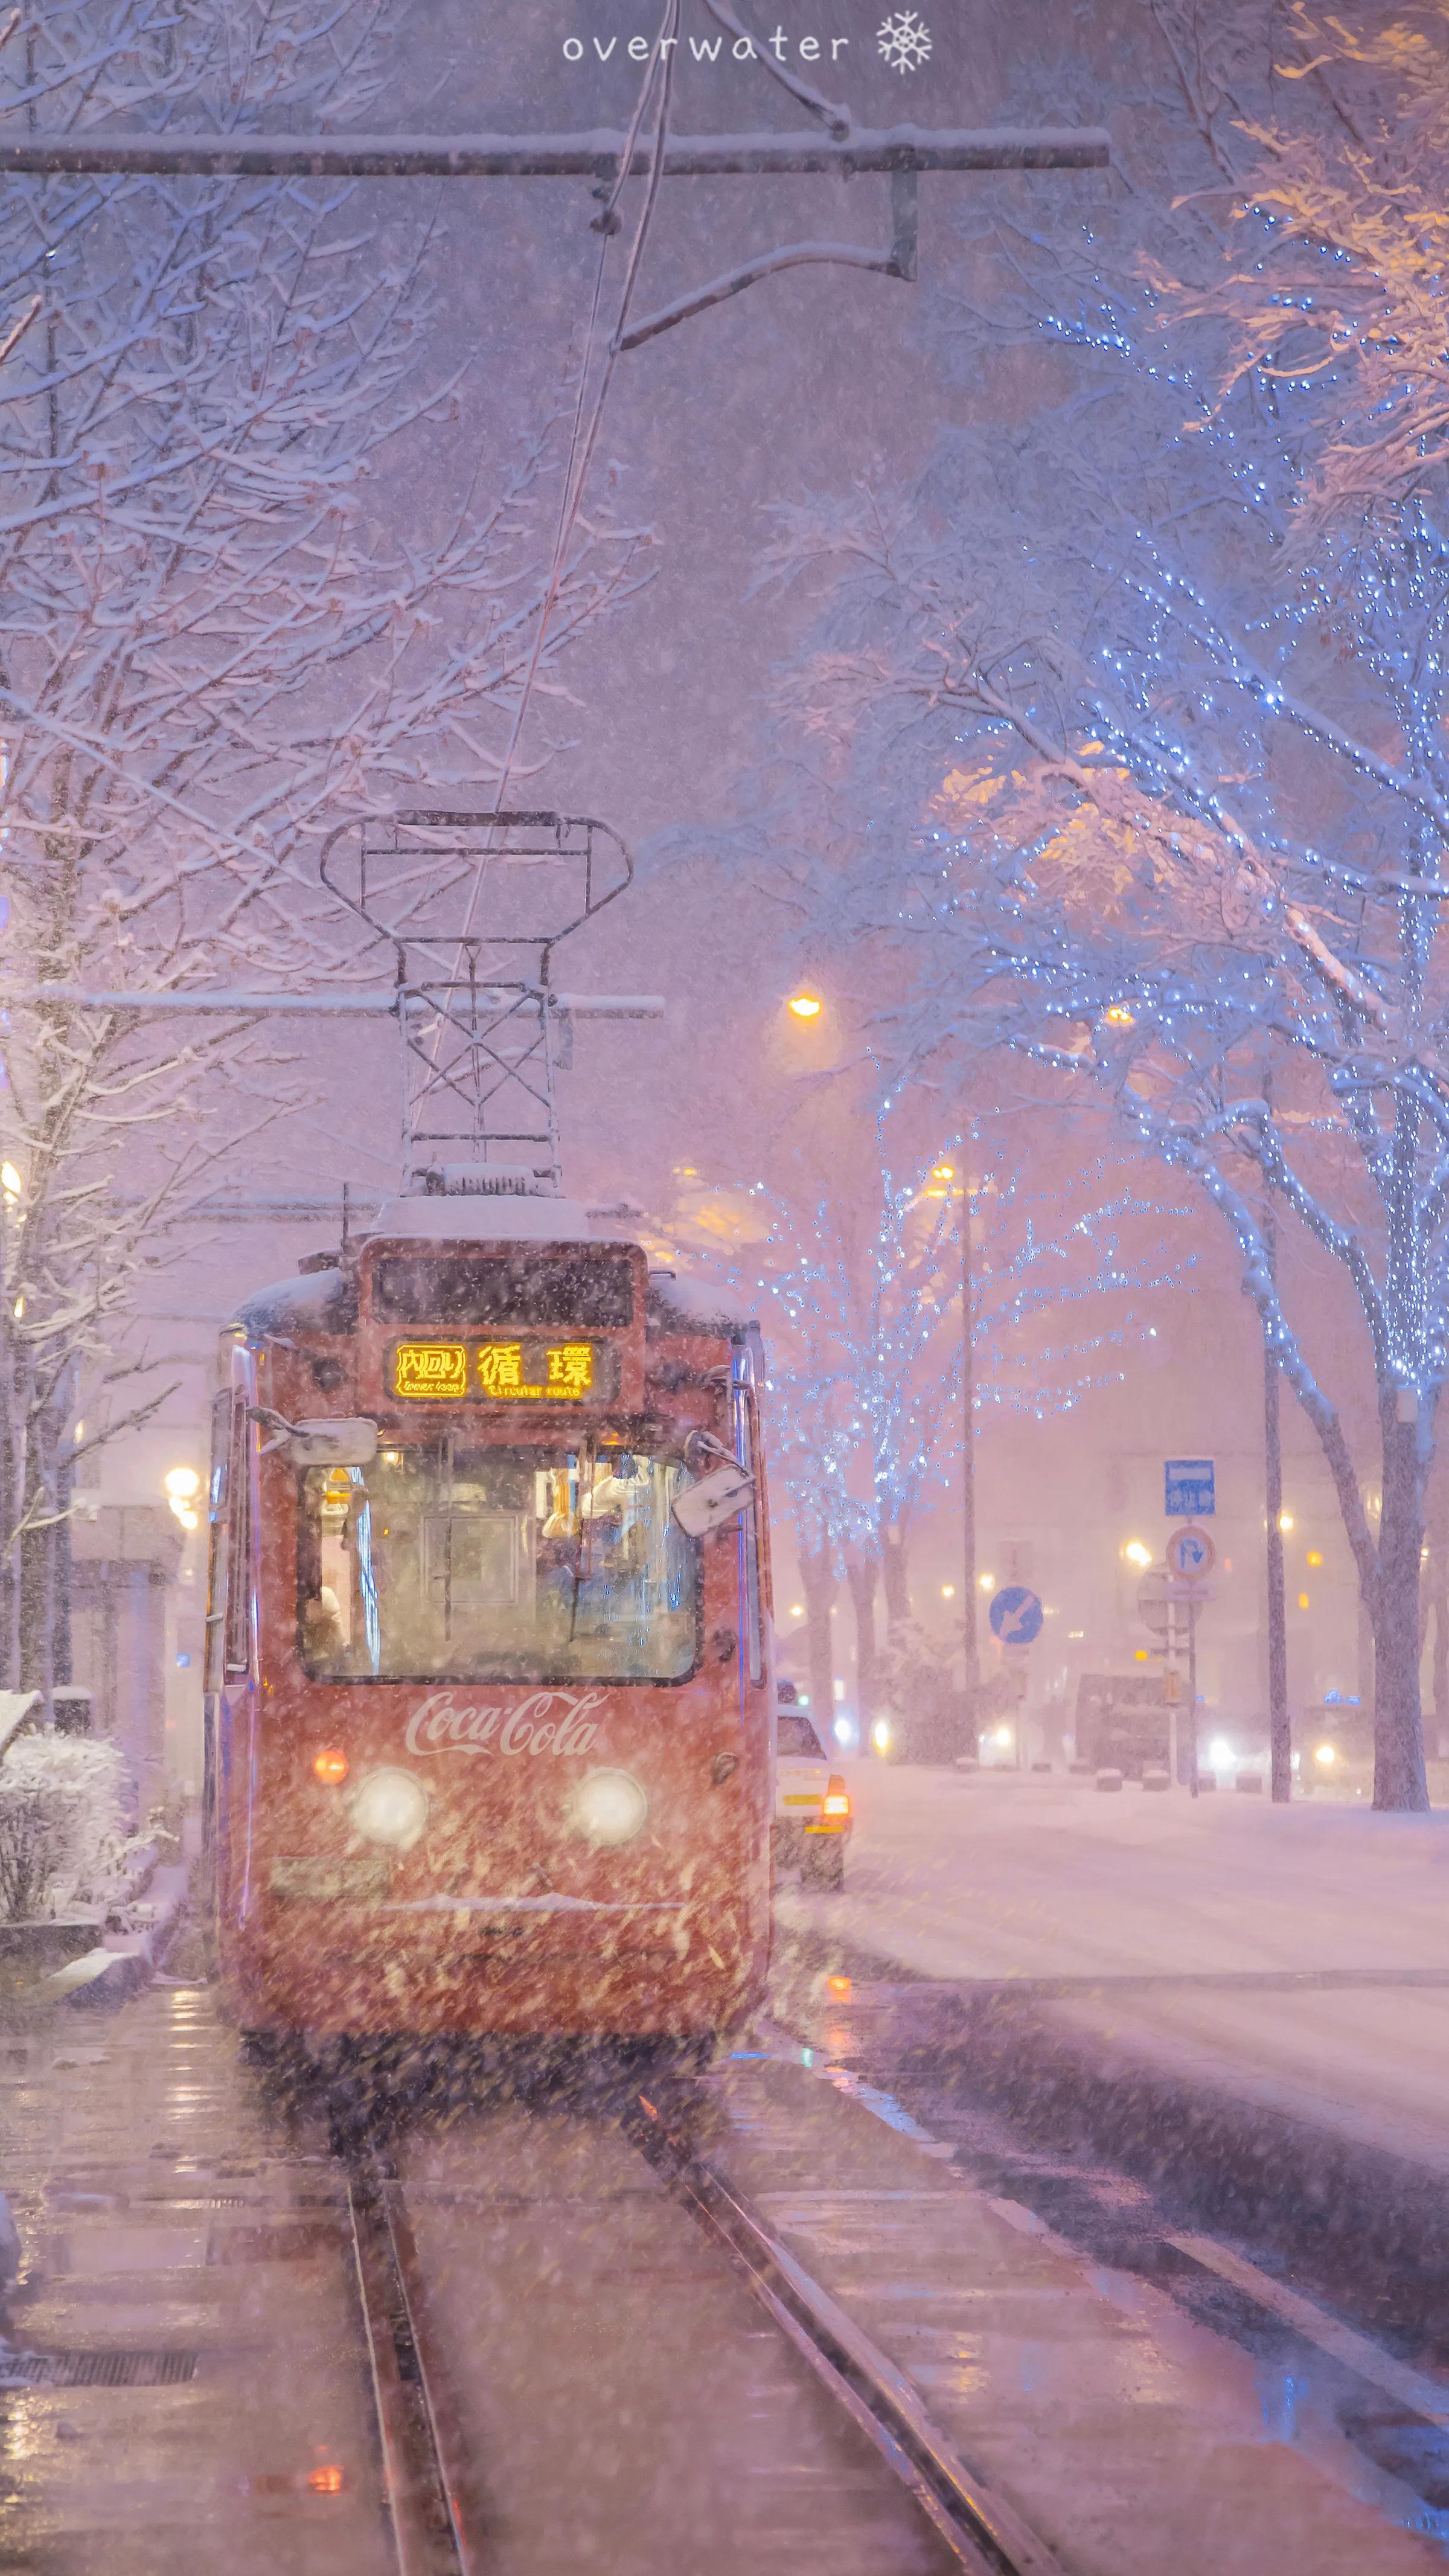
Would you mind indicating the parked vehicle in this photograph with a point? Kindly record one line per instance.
(812, 1802)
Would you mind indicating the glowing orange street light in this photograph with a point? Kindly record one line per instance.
(806, 1006)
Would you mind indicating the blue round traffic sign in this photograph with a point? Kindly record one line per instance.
(1016, 1615)
(1190, 1554)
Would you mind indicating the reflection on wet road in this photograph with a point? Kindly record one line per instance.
(189, 2387)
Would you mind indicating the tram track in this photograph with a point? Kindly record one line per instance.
(430, 2478)
(984, 2533)
(414, 2426)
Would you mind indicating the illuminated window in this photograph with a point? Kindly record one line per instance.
(471, 1562)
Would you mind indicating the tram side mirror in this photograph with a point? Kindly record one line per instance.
(349, 1442)
(714, 1500)
(345, 1440)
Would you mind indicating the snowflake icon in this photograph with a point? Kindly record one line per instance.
(904, 40)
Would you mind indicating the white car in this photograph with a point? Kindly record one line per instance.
(812, 1803)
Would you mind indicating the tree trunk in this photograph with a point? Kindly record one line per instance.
(862, 1577)
(1441, 1661)
(1436, 1526)
(38, 1566)
(817, 1582)
(63, 1649)
(1399, 1780)
(894, 1574)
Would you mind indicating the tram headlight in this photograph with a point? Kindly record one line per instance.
(389, 1807)
(610, 1807)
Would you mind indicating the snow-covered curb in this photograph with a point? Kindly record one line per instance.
(123, 1962)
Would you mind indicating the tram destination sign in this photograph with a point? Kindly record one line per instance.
(504, 1372)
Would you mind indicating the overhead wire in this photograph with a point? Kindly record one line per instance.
(661, 67)
(582, 445)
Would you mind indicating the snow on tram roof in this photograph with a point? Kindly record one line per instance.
(695, 1305)
(460, 1218)
(326, 1298)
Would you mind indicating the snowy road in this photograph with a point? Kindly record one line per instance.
(1253, 1924)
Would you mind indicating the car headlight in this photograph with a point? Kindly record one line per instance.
(610, 1807)
(389, 1807)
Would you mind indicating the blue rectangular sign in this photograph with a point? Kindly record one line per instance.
(1189, 1484)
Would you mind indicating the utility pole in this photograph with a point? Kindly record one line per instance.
(1280, 1731)
(968, 1474)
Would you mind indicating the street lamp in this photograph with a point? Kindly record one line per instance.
(182, 1485)
(806, 1006)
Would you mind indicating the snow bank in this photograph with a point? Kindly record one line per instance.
(64, 1847)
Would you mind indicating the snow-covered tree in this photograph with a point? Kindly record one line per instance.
(1332, 133)
(860, 1286)
(228, 618)
(1128, 729)
(64, 1839)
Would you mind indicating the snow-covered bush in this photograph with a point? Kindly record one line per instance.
(63, 1839)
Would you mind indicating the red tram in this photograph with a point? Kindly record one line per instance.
(489, 1732)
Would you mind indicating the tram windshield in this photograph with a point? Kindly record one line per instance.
(473, 1563)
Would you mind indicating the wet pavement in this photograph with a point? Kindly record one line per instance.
(1147, 2020)
(198, 2396)
(1126, 2431)
(192, 2283)
(625, 2401)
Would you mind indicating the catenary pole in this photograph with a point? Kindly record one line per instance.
(969, 1634)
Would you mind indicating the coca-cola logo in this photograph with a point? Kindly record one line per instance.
(548, 1721)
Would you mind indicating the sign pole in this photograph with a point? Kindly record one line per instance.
(1192, 1696)
(1173, 1728)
